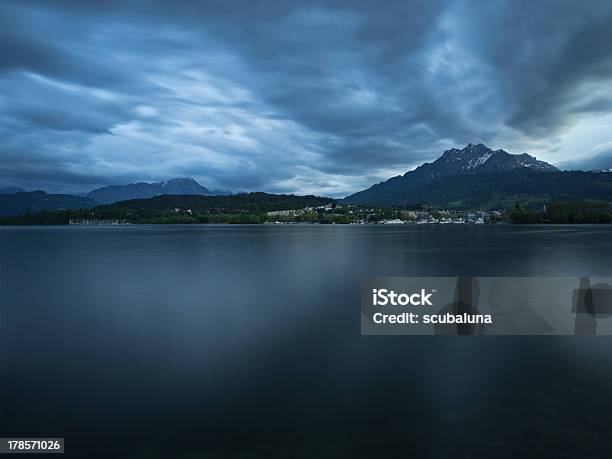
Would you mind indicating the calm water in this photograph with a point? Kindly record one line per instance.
(244, 341)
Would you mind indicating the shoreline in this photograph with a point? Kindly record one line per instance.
(123, 225)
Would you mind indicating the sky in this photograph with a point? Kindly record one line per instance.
(295, 97)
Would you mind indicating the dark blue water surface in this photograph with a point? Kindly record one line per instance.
(244, 341)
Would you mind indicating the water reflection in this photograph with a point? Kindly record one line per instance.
(246, 339)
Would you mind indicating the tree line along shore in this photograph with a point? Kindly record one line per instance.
(260, 208)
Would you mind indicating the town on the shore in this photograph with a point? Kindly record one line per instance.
(556, 212)
(359, 215)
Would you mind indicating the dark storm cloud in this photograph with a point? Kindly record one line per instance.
(324, 97)
(544, 57)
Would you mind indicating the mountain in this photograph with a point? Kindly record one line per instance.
(473, 161)
(479, 159)
(36, 201)
(179, 186)
(11, 190)
(502, 190)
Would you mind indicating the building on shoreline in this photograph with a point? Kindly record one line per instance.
(98, 221)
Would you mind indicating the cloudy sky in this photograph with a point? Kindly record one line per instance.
(305, 97)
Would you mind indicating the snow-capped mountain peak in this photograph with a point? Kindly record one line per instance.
(476, 158)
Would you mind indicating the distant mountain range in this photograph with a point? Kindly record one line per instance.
(477, 176)
(473, 177)
(16, 201)
(36, 201)
(179, 186)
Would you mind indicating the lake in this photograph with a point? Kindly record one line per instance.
(244, 341)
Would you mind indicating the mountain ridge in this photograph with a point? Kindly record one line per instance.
(474, 159)
(143, 190)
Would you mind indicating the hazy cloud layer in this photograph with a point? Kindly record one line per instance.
(599, 158)
(321, 97)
